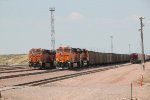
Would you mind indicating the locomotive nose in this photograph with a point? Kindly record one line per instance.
(60, 57)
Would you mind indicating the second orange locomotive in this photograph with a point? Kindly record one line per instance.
(67, 57)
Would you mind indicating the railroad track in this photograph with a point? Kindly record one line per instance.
(28, 74)
(13, 71)
(11, 68)
(58, 78)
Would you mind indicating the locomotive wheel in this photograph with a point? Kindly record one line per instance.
(70, 65)
(57, 67)
(51, 65)
(81, 63)
(42, 66)
(30, 64)
(78, 64)
(87, 64)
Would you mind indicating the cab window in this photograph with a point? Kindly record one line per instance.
(38, 52)
(67, 50)
(59, 50)
(32, 52)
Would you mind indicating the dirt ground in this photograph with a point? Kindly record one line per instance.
(113, 84)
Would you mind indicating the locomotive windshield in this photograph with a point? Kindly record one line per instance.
(38, 52)
(35, 51)
(59, 50)
(67, 50)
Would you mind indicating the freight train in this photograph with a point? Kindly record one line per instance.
(68, 58)
(41, 58)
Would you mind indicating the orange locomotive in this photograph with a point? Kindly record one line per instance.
(41, 58)
(66, 57)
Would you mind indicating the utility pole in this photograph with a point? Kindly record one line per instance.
(111, 37)
(52, 29)
(142, 44)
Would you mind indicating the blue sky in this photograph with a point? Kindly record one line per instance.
(25, 24)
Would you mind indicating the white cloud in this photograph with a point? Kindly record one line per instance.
(75, 16)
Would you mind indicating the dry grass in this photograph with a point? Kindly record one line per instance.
(13, 59)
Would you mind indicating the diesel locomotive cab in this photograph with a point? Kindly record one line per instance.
(63, 57)
(35, 57)
(41, 58)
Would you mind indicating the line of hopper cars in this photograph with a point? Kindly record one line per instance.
(68, 58)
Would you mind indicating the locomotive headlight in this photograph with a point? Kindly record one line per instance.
(56, 59)
(69, 62)
(40, 62)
